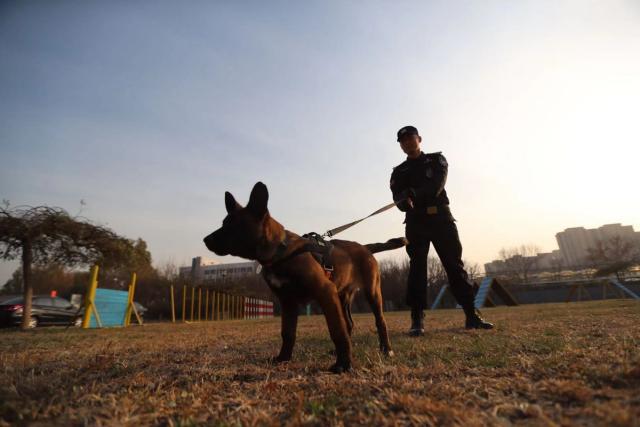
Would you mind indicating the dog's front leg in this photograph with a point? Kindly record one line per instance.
(327, 297)
(288, 331)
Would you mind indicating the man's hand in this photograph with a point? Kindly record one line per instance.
(405, 200)
(410, 203)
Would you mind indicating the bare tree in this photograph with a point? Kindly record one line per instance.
(557, 265)
(168, 270)
(436, 275)
(44, 235)
(613, 256)
(473, 270)
(520, 261)
(393, 277)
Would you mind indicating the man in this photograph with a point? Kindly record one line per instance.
(417, 185)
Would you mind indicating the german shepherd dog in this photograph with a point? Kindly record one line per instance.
(295, 276)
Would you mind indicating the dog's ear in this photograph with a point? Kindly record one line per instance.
(230, 202)
(258, 200)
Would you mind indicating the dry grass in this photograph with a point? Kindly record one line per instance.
(555, 364)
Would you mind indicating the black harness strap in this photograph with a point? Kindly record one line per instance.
(319, 248)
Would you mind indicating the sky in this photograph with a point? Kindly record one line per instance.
(149, 111)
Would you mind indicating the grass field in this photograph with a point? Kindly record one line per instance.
(554, 364)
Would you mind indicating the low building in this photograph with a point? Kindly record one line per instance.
(204, 270)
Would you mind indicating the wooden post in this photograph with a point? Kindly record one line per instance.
(237, 307)
(233, 306)
(218, 306)
(89, 298)
(225, 315)
(131, 307)
(213, 305)
(173, 307)
(206, 306)
(193, 296)
(184, 303)
(199, 303)
(132, 290)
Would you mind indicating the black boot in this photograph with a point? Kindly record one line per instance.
(417, 323)
(474, 321)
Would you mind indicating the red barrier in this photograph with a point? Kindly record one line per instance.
(257, 309)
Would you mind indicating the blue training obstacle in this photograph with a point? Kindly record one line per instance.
(112, 306)
(624, 289)
(487, 285)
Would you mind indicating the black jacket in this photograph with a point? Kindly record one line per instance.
(422, 179)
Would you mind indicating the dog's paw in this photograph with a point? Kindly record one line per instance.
(279, 359)
(388, 353)
(340, 368)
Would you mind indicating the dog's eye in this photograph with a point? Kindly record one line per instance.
(228, 221)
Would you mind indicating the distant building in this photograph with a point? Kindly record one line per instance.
(203, 270)
(547, 261)
(574, 244)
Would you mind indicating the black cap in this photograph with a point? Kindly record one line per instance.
(407, 130)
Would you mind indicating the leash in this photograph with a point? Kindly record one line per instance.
(334, 231)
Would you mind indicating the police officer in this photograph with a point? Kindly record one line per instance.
(417, 185)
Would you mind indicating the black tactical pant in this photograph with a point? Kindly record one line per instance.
(443, 233)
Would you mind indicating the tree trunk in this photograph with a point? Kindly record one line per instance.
(27, 258)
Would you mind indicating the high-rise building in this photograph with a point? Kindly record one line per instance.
(575, 242)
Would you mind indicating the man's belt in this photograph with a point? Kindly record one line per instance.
(431, 210)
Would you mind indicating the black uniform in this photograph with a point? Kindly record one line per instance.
(430, 221)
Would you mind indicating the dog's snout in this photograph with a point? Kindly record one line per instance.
(209, 242)
(215, 243)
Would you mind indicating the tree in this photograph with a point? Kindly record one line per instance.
(613, 256)
(436, 275)
(520, 261)
(473, 270)
(44, 235)
(393, 278)
(136, 257)
(14, 284)
(557, 266)
(168, 270)
(43, 279)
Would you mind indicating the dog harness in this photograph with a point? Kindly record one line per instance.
(318, 247)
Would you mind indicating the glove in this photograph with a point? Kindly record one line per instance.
(406, 198)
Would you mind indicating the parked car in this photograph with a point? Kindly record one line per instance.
(141, 309)
(45, 310)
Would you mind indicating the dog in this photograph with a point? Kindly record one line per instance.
(296, 277)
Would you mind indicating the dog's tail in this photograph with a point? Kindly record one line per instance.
(390, 244)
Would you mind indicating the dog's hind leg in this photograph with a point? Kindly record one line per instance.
(374, 297)
(288, 331)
